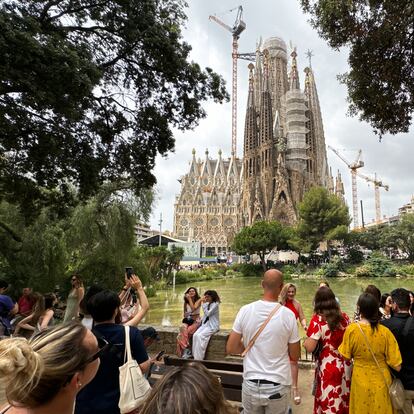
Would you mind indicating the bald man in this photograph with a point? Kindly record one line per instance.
(266, 366)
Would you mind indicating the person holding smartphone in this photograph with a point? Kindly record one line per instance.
(133, 309)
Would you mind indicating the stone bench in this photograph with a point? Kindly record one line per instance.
(216, 350)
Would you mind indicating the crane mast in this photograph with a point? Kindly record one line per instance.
(238, 27)
(377, 184)
(358, 163)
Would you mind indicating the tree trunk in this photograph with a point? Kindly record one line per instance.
(262, 261)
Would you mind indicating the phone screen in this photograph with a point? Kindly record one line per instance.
(129, 272)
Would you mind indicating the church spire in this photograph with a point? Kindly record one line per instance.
(294, 75)
(250, 126)
(317, 150)
(266, 118)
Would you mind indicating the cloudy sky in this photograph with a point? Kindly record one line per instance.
(391, 159)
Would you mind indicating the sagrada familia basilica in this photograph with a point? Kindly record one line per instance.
(284, 154)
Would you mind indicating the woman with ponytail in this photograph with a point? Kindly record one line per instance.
(362, 340)
(43, 375)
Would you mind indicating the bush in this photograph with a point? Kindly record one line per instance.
(405, 270)
(184, 276)
(232, 273)
(363, 271)
(288, 270)
(332, 268)
(150, 291)
(377, 265)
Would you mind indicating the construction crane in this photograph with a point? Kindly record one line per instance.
(238, 27)
(358, 163)
(377, 184)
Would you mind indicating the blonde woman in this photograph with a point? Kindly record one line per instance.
(187, 390)
(74, 298)
(287, 298)
(43, 375)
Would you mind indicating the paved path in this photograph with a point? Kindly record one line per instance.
(305, 388)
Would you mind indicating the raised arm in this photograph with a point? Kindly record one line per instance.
(143, 301)
(213, 308)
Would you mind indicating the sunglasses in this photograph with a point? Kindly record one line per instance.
(103, 346)
(74, 280)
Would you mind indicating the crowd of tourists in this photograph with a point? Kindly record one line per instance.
(76, 366)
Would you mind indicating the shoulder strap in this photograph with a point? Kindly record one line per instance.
(7, 408)
(372, 354)
(259, 331)
(128, 354)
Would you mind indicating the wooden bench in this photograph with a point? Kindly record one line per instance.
(229, 373)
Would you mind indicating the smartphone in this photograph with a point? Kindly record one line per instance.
(129, 272)
(159, 355)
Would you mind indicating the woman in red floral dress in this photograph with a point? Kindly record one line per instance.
(333, 372)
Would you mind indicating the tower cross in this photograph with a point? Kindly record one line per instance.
(309, 55)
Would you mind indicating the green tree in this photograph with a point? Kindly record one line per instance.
(155, 263)
(101, 238)
(89, 93)
(322, 217)
(379, 35)
(37, 256)
(404, 235)
(260, 238)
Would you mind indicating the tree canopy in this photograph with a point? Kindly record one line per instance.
(322, 217)
(260, 238)
(380, 37)
(89, 93)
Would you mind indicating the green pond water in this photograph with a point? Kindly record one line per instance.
(166, 308)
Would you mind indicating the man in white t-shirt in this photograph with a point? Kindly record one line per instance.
(266, 366)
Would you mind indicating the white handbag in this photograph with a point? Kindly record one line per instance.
(133, 386)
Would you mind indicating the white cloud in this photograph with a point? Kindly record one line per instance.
(391, 159)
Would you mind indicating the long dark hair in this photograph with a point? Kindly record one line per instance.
(214, 295)
(374, 291)
(368, 308)
(327, 306)
(383, 300)
(196, 296)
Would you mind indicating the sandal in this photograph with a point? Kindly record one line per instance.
(296, 396)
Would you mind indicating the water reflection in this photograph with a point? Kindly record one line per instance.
(166, 308)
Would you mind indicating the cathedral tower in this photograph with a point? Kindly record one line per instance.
(250, 159)
(296, 134)
(266, 147)
(317, 165)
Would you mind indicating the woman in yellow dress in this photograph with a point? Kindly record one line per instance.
(369, 392)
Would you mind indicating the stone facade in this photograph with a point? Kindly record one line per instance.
(284, 154)
(207, 209)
